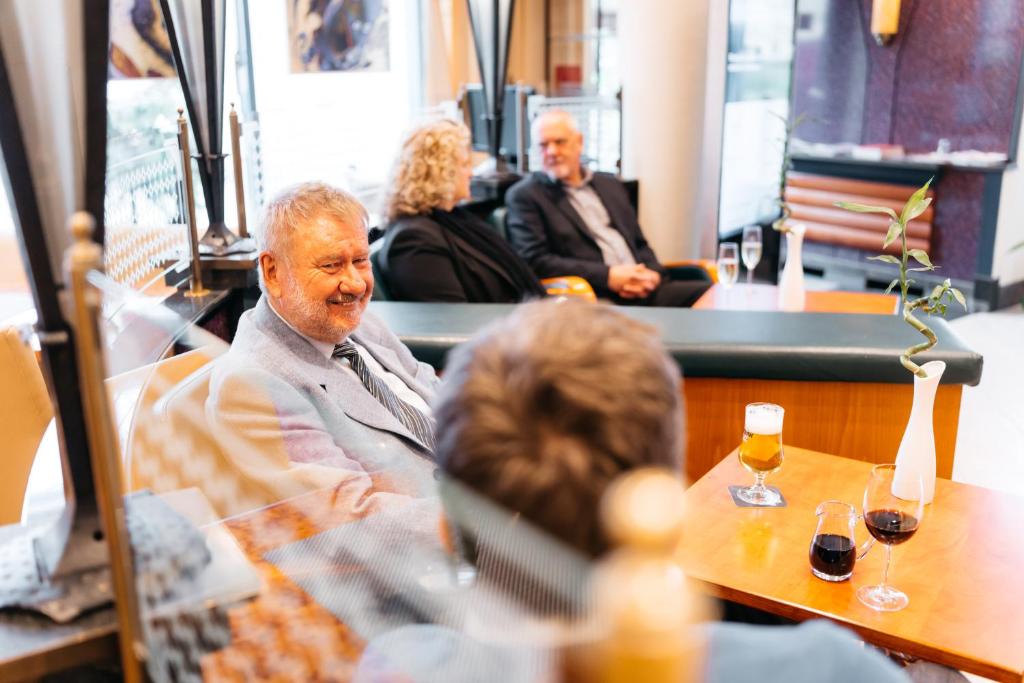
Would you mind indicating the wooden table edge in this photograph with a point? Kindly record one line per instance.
(861, 303)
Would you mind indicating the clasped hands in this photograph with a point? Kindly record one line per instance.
(633, 281)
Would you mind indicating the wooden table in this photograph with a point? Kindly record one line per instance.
(962, 570)
(760, 297)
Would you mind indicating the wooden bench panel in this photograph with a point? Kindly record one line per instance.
(811, 199)
(868, 222)
(859, 420)
(808, 197)
(864, 188)
(859, 239)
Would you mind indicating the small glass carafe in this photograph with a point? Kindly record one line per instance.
(834, 549)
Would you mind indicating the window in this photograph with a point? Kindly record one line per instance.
(758, 72)
(583, 48)
(144, 218)
(145, 212)
(341, 126)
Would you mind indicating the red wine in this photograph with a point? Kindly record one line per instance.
(891, 527)
(833, 554)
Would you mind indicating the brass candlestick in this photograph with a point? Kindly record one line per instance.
(85, 256)
(196, 288)
(640, 593)
(236, 153)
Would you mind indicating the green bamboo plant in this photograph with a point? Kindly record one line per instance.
(941, 296)
(789, 128)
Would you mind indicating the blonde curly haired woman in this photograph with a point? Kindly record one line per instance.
(434, 250)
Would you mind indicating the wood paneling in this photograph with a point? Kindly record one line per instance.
(868, 222)
(859, 420)
(961, 570)
(855, 238)
(808, 195)
(863, 188)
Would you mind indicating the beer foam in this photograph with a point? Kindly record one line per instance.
(764, 419)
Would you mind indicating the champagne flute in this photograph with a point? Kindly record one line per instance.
(891, 520)
(751, 250)
(761, 451)
(728, 264)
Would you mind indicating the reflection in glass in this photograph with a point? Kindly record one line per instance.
(757, 85)
(751, 249)
(728, 264)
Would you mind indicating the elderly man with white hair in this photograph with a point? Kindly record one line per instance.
(567, 220)
(315, 391)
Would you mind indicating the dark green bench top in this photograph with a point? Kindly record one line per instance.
(735, 344)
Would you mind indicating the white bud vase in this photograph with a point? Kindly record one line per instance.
(916, 456)
(791, 284)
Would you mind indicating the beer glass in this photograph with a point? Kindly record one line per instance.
(892, 521)
(751, 249)
(728, 264)
(761, 451)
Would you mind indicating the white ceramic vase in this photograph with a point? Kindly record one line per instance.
(916, 456)
(791, 284)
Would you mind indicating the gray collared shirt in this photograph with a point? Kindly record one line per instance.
(614, 250)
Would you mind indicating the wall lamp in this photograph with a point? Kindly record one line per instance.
(885, 20)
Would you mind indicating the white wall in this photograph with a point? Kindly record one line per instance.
(663, 53)
(1008, 266)
(339, 127)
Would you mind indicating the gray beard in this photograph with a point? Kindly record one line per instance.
(315, 315)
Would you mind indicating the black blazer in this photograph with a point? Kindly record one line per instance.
(549, 234)
(417, 263)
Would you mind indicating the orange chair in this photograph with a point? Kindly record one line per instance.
(151, 383)
(569, 285)
(25, 412)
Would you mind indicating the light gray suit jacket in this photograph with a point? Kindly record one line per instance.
(291, 420)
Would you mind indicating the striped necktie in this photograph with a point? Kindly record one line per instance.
(411, 418)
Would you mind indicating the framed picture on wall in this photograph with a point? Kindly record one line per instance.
(338, 35)
(139, 45)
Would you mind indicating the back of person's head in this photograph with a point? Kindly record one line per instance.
(541, 411)
(426, 174)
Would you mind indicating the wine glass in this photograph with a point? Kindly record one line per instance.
(891, 520)
(751, 250)
(761, 451)
(728, 264)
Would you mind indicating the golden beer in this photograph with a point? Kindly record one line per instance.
(761, 453)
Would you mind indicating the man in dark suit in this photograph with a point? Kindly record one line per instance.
(567, 220)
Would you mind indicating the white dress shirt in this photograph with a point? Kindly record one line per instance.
(614, 250)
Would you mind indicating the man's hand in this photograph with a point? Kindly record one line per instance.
(635, 281)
